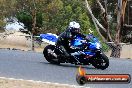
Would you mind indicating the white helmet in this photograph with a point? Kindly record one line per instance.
(74, 24)
(74, 27)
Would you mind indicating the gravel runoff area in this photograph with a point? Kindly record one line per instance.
(19, 83)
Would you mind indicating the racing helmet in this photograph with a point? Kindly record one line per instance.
(74, 27)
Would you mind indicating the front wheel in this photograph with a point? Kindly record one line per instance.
(101, 61)
(50, 55)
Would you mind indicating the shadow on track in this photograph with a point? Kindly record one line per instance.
(68, 65)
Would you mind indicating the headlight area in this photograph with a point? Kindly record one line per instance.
(98, 45)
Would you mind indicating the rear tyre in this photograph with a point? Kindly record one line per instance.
(50, 55)
(100, 62)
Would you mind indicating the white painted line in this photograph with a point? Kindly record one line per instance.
(75, 86)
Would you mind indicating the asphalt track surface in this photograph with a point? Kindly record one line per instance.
(33, 66)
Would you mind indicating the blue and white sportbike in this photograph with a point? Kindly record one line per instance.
(83, 51)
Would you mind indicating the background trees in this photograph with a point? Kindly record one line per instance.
(42, 16)
(7, 8)
(110, 35)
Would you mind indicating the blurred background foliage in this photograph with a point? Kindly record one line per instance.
(54, 15)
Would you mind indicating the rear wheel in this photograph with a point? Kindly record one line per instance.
(100, 62)
(50, 55)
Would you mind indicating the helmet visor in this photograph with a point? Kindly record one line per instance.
(77, 30)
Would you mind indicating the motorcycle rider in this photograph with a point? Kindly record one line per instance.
(65, 38)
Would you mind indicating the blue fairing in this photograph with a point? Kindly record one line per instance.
(92, 46)
(48, 37)
(77, 41)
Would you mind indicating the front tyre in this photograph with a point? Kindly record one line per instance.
(101, 61)
(50, 55)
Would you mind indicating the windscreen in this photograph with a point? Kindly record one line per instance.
(92, 38)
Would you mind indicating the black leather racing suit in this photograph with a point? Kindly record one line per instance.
(64, 40)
